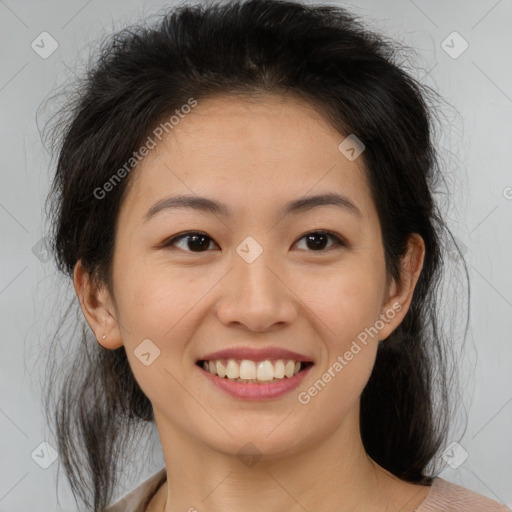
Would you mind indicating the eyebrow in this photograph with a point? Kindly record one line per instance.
(211, 206)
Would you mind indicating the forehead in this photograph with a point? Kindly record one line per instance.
(252, 152)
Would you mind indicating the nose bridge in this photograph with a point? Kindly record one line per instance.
(255, 295)
(253, 263)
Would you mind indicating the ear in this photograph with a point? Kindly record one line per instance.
(399, 295)
(97, 307)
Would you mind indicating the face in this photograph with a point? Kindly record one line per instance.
(310, 280)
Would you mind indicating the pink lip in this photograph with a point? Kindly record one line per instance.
(253, 354)
(255, 391)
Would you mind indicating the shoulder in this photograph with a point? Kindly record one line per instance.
(136, 499)
(448, 497)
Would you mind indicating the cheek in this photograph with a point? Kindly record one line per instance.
(157, 319)
(345, 306)
(350, 351)
(153, 299)
(345, 301)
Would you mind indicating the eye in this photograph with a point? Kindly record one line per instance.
(316, 239)
(195, 241)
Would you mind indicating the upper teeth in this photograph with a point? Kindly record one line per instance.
(253, 370)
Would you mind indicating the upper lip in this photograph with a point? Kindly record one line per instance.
(255, 354)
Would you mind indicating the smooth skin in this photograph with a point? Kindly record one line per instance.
(254, 154)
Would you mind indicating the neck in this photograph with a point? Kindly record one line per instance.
(335, 470)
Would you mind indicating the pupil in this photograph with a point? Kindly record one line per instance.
(317, 245)
(193, 239)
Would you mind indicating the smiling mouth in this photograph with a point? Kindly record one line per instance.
(248, 371)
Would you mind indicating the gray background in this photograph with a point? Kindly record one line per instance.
(476, 149)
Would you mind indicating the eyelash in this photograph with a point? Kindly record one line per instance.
(338, 242)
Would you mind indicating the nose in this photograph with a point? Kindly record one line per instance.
(255, 294)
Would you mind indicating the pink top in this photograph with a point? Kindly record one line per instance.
(443, 496)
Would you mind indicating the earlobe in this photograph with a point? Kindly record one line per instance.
(97, 308)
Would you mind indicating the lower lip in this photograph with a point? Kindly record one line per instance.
(255, 391)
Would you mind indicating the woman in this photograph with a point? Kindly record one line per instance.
(242, 199)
